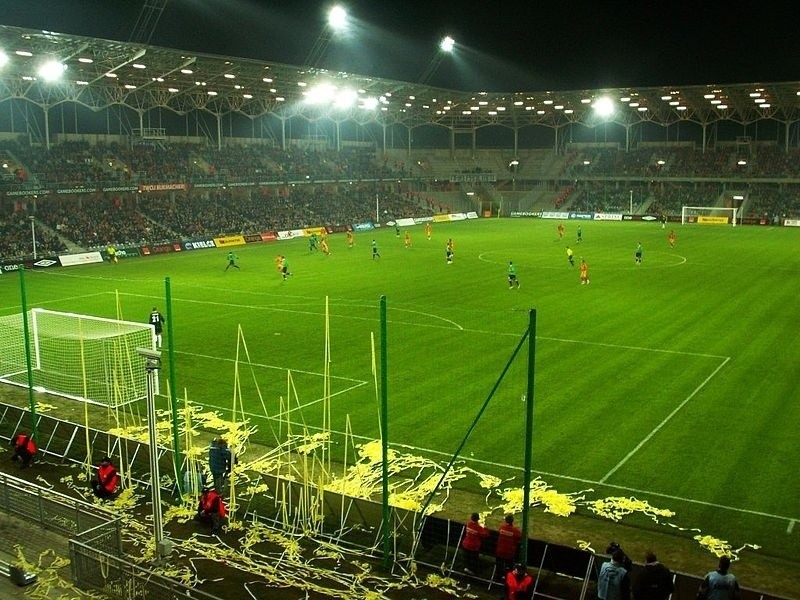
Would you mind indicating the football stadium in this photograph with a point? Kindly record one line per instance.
(398, 305)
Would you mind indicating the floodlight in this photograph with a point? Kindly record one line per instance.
(52, 70)
(320, 94)
(447, 44)
(337, 17)
(604, 106)
(345, 99)
(370, 103)
(3, 59)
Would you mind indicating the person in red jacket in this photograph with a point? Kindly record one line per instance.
(24, 449)
(519, 584)
(508, 539)
(105, 485)
(211, 509)
(474, 533)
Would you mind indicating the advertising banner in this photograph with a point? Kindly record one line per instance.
(554, 215)
(290, 234)
(524, 213)
(161, 187)
(707, 220)
(199, 244)
(229, 240)
(608, 216)
(84, 258)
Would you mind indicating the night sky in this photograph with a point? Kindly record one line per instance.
(502, 46)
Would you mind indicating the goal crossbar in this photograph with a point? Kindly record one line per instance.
(83, 357)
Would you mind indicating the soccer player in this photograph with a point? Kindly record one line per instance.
(672, 238)
(512, 276)
(157, 320)
(408, 240)
(350, 239)
(584, 272)
(375, 253)
(451, 245)
(397, 230)
(232, 258)
(570, 256)
(560, 230)
(312, 242)
(324, 246)
(448, 254)
(285, 268)
(637, 256)
(112, 255)
(579, 233)
(428, 230)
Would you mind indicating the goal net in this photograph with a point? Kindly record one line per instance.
(709, 215)
(77, 356)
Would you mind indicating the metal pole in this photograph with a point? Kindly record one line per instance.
(387, 538)
(153, 363)
(631, 201)
(27, 335)
(173, 390)
(32, 219)
(529, 404)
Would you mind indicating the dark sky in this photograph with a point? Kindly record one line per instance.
(507, 45)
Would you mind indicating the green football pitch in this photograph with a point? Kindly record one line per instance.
(673, 381)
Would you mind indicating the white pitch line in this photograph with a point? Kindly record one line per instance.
(666, 420)
(55, 302)
(639, 348)
(455, 326)
(734, 509)
(358, 381)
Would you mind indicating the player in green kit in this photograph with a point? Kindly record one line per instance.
(232, 258)
(512, 276)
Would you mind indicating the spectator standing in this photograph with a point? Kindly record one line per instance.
(24, 449)
(508, 539)
(107, 480)
(519, 584)
(474, 534)
(720, 584)
(219, 463)
(613, 582)
(654, 582)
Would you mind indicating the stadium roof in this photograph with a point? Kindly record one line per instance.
(102, 73)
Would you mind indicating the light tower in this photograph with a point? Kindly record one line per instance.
(446, 46)
(337, 21)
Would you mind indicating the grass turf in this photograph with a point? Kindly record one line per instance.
(674, 381)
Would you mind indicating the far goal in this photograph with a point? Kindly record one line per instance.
(709, 215)
(77, 356)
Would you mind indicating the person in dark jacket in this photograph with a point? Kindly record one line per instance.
(655, 581)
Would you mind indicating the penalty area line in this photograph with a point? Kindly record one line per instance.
(666, 420)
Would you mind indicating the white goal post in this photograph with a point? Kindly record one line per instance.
(77, 356)
(709, 215)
